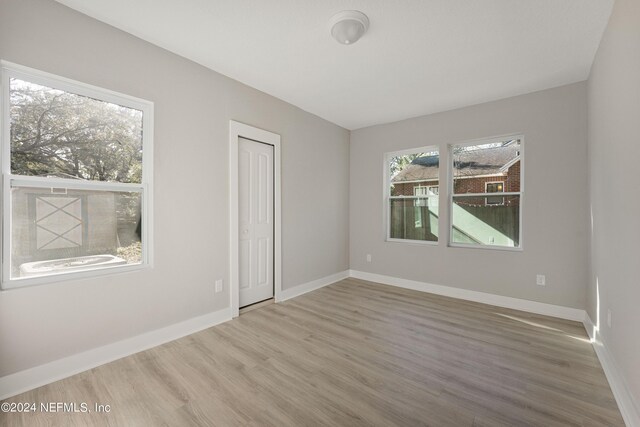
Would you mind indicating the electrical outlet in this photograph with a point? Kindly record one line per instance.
(368, 257)
(609, 317)
(541, 280)
(218, 285)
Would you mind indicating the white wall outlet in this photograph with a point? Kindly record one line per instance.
(218, 285)
(609, 317)
(541, 280)
(368, 257)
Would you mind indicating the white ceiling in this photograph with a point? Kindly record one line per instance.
(418, 57)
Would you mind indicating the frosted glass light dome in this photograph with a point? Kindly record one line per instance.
(348, 26)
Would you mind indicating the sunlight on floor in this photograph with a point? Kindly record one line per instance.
(527, 322)
(583, 339)
(538, 325)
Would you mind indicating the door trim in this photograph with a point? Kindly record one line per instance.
(237, 130)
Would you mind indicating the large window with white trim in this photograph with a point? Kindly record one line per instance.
(481, 169)
(77, 178)
(411, 199)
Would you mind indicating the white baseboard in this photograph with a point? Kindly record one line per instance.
(629, 408)
(29, 379)
(482, 297)
(311, 286)
(20, 382)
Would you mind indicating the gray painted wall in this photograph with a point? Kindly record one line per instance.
(555, 217)
(193, 106)
(614, 150)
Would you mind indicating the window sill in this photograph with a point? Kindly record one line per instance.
(493, 248)
(413, 242)
(69, 276)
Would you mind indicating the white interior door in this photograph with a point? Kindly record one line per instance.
(255, 221)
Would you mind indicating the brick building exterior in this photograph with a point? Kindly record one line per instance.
(498, 171)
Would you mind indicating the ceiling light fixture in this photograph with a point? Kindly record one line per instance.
(348, 26)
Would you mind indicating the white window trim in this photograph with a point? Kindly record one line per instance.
(11, 70)
(386, 205)
(486, 199)
(450, 197)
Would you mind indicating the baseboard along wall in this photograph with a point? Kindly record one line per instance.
(29, 379)
(629, 407)
(13, 384)
(568, 313)
(302, 289)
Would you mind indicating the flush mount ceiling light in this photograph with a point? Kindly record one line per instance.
(348, 26)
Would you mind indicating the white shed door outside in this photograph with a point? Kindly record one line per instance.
(255, 221)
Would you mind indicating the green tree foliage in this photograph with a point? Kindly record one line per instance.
(398, 163)
(62, 134)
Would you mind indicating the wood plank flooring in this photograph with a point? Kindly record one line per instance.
(353, 353)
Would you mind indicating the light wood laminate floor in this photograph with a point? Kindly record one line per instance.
(353, 353)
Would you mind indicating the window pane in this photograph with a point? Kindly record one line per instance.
(61, 134)
(476, 166)
(477, 222)
(414, 219)
(414, 174)
(495, 187)
(55, 231)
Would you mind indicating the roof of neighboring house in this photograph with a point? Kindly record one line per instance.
(488, 161)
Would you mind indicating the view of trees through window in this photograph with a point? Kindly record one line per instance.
(66, 217)
(57, 133)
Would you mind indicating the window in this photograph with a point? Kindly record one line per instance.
(77, 179)
(494, 187)
(411, 201)
(481, 169)
(423, 191)
(420, 191)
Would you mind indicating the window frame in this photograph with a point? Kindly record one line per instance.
(451, 189)
(420, 187)
(145, 187)
(386, 203)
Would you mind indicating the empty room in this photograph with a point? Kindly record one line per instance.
(309, 213)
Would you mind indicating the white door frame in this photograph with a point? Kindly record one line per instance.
(237, 130)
